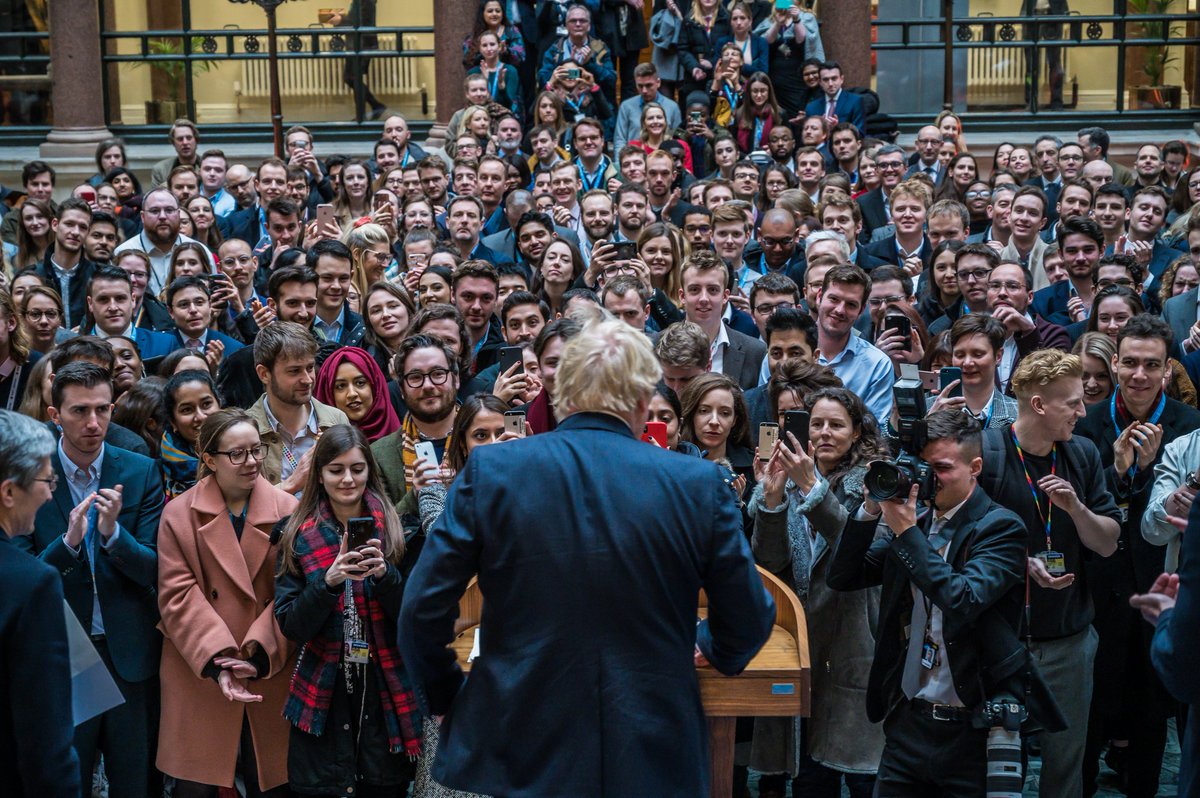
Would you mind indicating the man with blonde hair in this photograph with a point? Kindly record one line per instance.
(1054, 480)
(615, 589)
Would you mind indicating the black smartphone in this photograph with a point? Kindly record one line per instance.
(626, 250)
(510, 355)
(360, 531)
(947, 375)
(795, 422)
(901, 323)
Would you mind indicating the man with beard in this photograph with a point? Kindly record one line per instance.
(474, 290)
(1009, 295)
(289, 419)
(778, 234)
(159, 237)
(660, 182)
(781, 143)
(239, 182)
(110, 305)
(631, 201)
(597, 215)
(1067, 301)
(103, 235)
(65, 268)
(427, 373)
(504, 244)
(464, 218)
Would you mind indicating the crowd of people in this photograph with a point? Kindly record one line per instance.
(259, 389)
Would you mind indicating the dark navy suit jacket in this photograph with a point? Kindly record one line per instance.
(585, 685)
(849, 108)
(126, 574)
(231, 344)
(152, 343)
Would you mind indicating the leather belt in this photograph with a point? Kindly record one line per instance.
(942, 712)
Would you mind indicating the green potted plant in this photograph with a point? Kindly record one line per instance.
(174, 105)
(1155, 58)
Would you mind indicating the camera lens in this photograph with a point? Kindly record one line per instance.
(887, 480)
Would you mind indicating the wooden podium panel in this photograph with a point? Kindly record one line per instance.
(775, 683)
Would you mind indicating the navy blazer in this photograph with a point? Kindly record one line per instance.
(126, 574)
(1051, 303)
(37, 755)
(874, 213)
(1175, 649)
(244, 224)
(983, 569)
(152, 343)
(231, 344)
(585, 685)
(1180, 312)
(849, 108)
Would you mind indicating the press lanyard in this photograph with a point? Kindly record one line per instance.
(593, 180)
(12, 390)
(1154, 417)
(494, 82)
(729, 97)
(1033, 487)
(758, 129)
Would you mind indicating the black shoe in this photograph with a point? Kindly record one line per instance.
(1115, 758)
(377, 113)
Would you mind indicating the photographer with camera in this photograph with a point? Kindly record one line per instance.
(1054, 480)
(941, 573)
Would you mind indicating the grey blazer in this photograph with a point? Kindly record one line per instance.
(1180, 313)
(743, 358)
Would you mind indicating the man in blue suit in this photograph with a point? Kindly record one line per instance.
(36, 729)
(585, 684)
(110, 305)
(837, 105)
(99, 532)
(190, 301)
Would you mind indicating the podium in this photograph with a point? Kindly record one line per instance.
(775, 683)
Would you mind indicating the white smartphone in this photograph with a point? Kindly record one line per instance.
(425, 450)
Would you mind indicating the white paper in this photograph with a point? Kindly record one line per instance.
(474, 647)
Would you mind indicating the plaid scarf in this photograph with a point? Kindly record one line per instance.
(179, 463)
(307, 707)
(410, 436)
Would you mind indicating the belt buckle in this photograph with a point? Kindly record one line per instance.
(936, 711)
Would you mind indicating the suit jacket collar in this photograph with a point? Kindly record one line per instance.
(963, 522)
(595, 421)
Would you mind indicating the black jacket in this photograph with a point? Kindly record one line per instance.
(874, 213)
(77, 286)
(983, 572)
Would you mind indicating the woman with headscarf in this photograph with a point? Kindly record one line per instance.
(351, 381)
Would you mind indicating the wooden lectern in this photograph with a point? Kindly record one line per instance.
(775, 683)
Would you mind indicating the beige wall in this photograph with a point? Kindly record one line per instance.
(217, 91)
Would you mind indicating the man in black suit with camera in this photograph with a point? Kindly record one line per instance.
(945, 576)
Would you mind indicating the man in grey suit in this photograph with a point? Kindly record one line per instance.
(504, 243)
(1180, 313)
(705, 292)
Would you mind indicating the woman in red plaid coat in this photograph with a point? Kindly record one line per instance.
(356, 731)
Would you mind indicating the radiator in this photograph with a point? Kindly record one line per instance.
(999, 69)
(322, 77)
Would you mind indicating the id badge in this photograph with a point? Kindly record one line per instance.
(1055, 563)
(929, 654)
(358, 652)
(1124, 508)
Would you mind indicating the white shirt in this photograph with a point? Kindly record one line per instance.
(160, 259)
(81, 483)
(937, 683)
(717, 349)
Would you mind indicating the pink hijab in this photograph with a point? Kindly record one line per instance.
(381, 419)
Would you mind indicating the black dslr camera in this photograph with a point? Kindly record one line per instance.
(893, 479)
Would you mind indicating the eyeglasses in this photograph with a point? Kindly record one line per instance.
(781, 243)
(769, 307)
(242, 260)
(38, 315)
(415, 379)
(886, 166)
(978, 195)
(618, 268)
(880, 301)
(238, 456)
(974, 274)
(161, 212)
(1005, 285)
(382, 257)
(51, 481)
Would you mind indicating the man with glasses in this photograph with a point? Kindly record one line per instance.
(998, 232)
(1070, 161)
(289, 419)
(159, 237)
(99, 532)
(889, 161)
(148, 310)
(929, 141)
(1008, 297)
(891, 289)
(778, 235)
(973, 266)
(582, 51)
(239, 183)
(237, 266)
(40, 757)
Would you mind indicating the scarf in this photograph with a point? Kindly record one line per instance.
(408, 448)
(311, 691)
(539, 416)
(381, 418)
(179, 463)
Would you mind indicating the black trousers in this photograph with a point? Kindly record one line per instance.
(927, 758)
(127, 736)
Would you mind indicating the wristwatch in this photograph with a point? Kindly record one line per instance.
(1192, 482)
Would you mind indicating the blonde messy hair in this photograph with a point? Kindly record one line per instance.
(1041, 368)
(608, 367)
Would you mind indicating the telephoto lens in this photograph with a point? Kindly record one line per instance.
(887, 479)
(1004, 772)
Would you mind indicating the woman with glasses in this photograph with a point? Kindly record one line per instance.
(351, 381)
(355, 729)
(977, 198)
(1179, 278)
(189, 398)
(226, 665)
(371, 254)
(41, 316)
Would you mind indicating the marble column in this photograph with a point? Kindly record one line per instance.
(846, 34)
(75, 67)
(452, 21)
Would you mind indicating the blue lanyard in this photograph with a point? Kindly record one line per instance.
(1154, 417)
(593, 180)
(729, 97)
(758, 129)
(494, 81)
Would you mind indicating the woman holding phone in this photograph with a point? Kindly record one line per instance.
(976, 343)
(351, 705)
(225, 662)
(799, 508)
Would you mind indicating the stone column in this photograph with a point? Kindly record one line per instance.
(76, 94)
(452, 21)
(846, 34)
